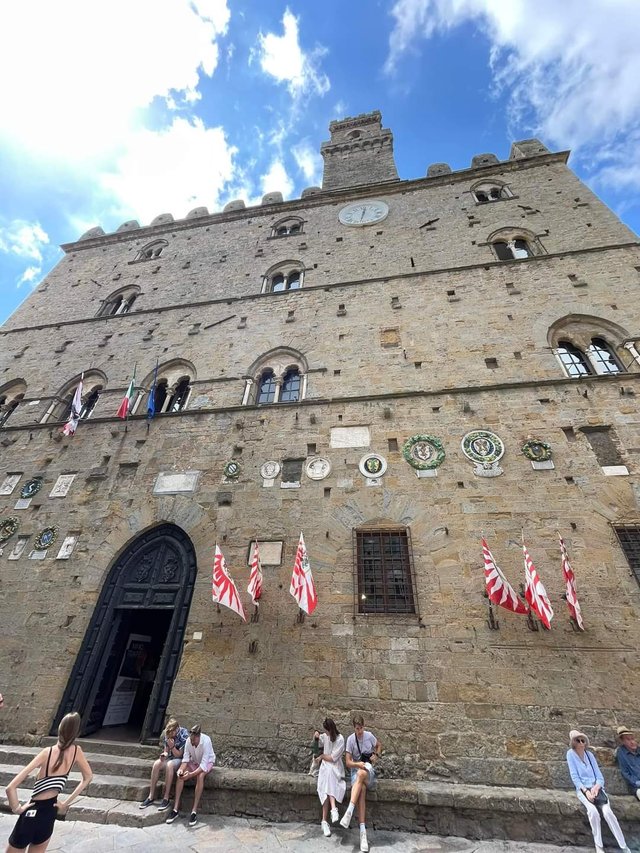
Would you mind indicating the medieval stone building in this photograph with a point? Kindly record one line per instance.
(391, 366)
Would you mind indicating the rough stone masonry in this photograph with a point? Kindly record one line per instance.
(502, 298)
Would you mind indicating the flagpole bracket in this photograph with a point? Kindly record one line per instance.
(492, 622)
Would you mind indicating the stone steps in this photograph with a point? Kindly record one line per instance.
(120, 783)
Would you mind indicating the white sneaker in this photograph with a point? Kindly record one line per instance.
(346, 819)
(364, 844)
(334, 815)
(326, 829)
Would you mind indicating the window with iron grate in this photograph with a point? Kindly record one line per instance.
(629, 539)
(385, 583)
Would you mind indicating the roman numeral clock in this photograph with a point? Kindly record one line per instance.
(363, 213)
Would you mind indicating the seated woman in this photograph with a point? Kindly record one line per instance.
(589, 782)
(331, 783)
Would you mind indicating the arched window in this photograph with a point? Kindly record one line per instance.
(287, 228)
(172, 388)
(151, 250)
(93, 383)
(511, 244)
(276, 377)
(587, 346)
(178, 399)
(286, 276)
(89, 402)
(290, 392)
(266, 387)
(573, 360)
(602, 357)
(11, 395)
(119, 302)
(487, 192)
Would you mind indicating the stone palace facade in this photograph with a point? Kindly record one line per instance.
(391, 366)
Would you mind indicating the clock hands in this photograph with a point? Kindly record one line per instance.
(364, 210)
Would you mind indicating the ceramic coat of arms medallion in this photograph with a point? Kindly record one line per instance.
(318, 468)
(485, 449)
(232, 469)
(539, 453)
(372, 466)
(423, 452)
(270, 470)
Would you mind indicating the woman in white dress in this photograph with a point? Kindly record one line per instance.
(331, 783)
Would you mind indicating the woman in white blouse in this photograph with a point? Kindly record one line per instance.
(331, 783)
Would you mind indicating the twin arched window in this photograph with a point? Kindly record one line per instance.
(172, 388)
(511, 244)
(598, 359)
(277, 377)
(487, 192)
(288, 275)
(119, 302)
(151, 250)
(287, 228)
(93, 384)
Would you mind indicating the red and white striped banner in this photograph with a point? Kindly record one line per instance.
(255, 578)
(571, 596)
(74, 415)
(534, 591)
(302, 586)
(499, 589)
(223, 590)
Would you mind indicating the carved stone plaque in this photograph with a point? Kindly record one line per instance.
(172, 483)
(9, 483)
(318, 468)
(62, 486)
(351, 436)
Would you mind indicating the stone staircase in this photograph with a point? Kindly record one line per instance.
(121, 777)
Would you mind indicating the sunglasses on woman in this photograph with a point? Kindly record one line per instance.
(580, 740)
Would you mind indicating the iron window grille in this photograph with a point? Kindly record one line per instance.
(629, 539)
(385, 579)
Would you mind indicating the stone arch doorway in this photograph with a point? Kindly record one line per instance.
(131, 651)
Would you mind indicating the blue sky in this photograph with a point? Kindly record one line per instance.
(132, 109)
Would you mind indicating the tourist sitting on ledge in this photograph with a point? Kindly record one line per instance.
(628, 758)
(589, 782)
(197, 763)
(173, 741)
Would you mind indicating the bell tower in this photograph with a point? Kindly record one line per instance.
(360, 151)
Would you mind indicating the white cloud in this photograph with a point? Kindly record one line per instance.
(277, 180)
(22, 241)
(173, 170)
(282, 58)
(571, 68)
(80, 73)
(308, 161)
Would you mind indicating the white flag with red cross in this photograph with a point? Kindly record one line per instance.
(224, 589)
(302, 586)
(534, 591)
(499, 589)
(571, 596)
(255, 577)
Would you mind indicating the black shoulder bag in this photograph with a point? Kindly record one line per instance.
(364, 756)
(601, 798)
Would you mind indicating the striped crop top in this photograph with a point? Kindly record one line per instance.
(52, 783)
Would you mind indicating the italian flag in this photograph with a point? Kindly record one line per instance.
(125, 405)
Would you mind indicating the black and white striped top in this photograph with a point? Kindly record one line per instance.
(52, 783)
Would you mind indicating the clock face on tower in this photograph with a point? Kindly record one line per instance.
(363, 213)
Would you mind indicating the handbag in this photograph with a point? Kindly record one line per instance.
(601, 798)
(364, 756)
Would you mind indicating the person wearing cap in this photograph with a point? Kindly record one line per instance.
(197, 763)
(589, 781)
(628, 758)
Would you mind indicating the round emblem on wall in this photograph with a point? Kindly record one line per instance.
(423, 452)
(31, 487)
(318, 468)
(45, 538)
(270, 470)
(536, 450)
(8, 527)
(232, 469)
(372, 465)
(364, 212)
(482, 446)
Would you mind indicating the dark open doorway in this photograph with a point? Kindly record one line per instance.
(122, 678)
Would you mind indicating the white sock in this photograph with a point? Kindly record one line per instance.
(363, 827)
(350, 808)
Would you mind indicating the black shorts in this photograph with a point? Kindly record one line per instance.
(35, 826)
